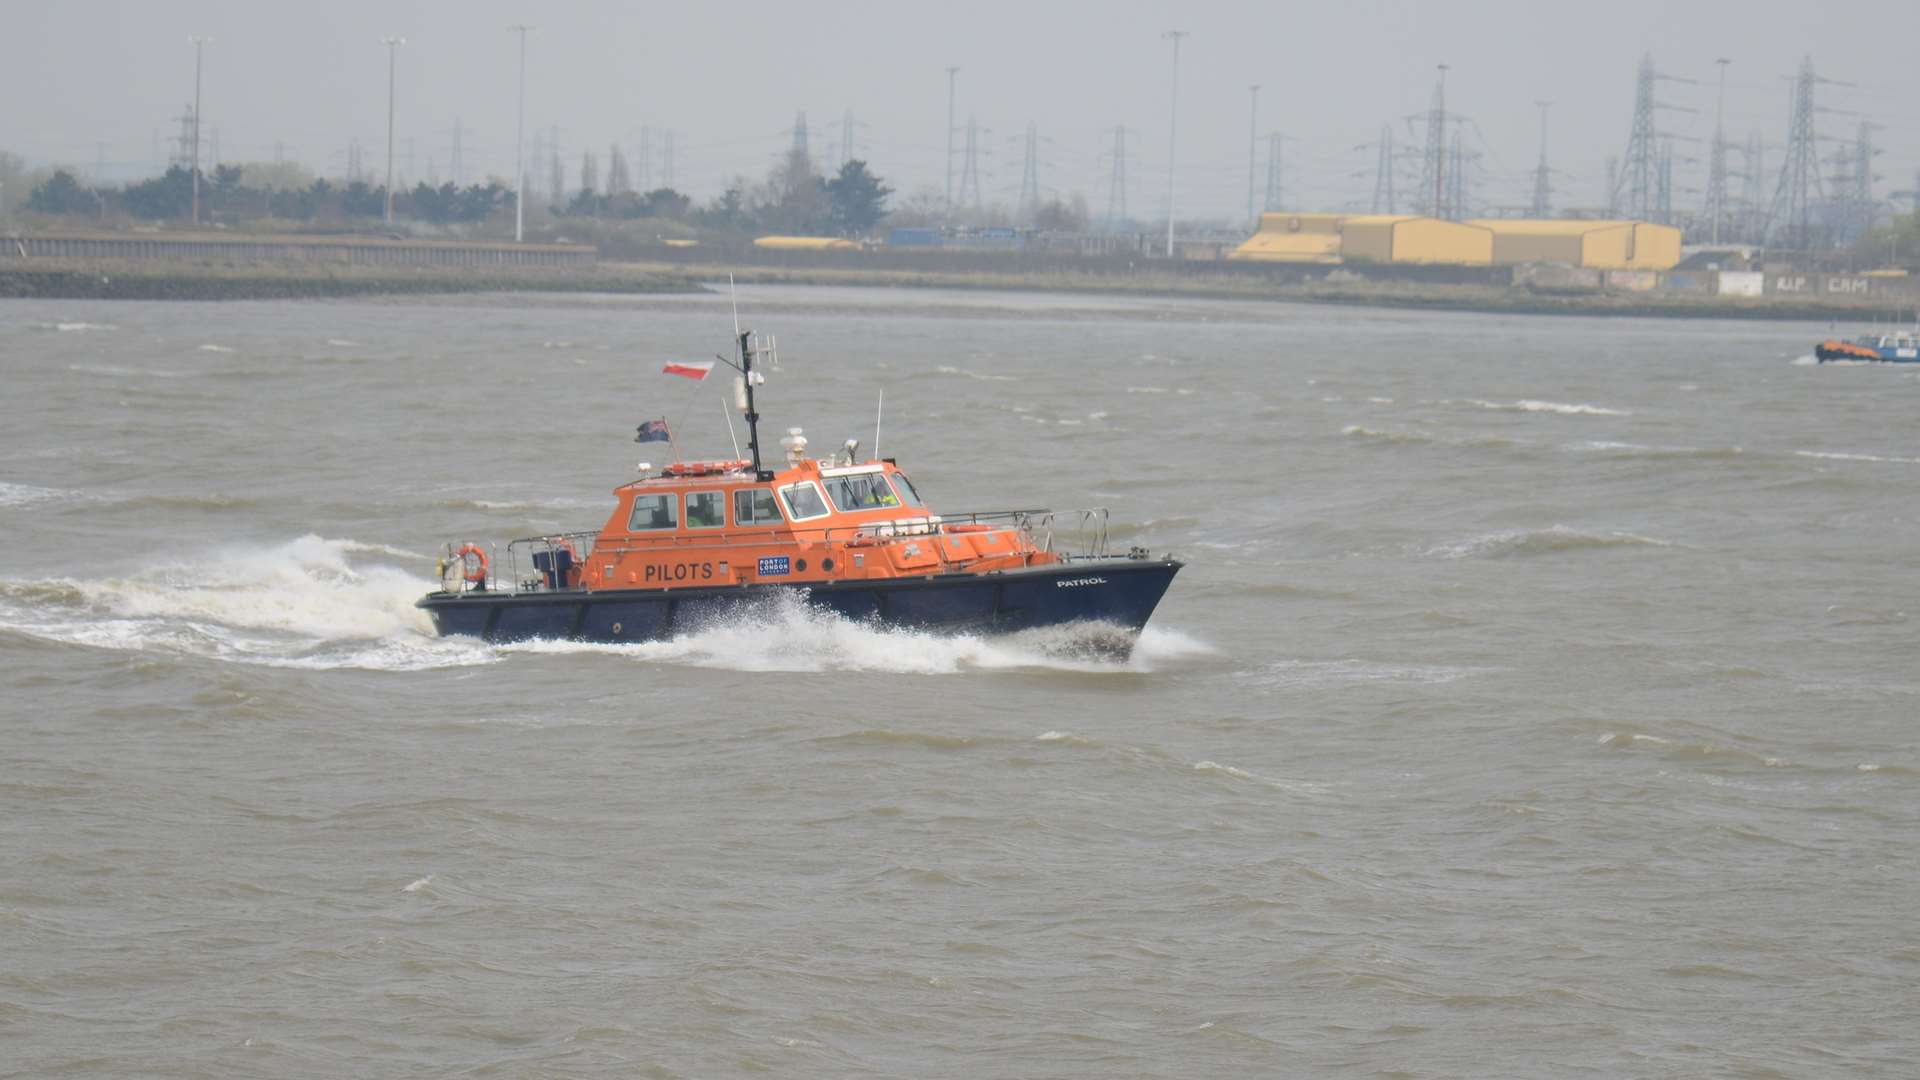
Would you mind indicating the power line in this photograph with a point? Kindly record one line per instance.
(1542, 180)
(1117, 181)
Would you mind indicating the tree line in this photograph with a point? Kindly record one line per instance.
(794, 199)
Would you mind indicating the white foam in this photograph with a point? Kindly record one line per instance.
(379, 549)
(118, 371)
(301, 604)
(1538, 542)
(521, 506)
(420, 884)
(27, 494)
(215, 349)
(1561, 408)
(343, 343)
(1322, 674)
(1067, 737)
(1596, 445)
(784, 634)
(1826, 456)
(1295, 786)
(1360, 431)
(76, 327)
(982, 376)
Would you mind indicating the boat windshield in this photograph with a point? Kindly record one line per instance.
(907, 493)
(862, 491)
(803, 501)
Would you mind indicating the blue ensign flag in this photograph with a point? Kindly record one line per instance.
(652, 431)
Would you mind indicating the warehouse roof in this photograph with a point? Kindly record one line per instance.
(1555, 227)
(1289, 247)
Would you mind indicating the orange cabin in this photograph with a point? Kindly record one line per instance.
(705, 524)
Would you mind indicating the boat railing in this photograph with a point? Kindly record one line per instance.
(552, 562)
(1070, 534)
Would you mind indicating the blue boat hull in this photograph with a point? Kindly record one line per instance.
(1118, 593)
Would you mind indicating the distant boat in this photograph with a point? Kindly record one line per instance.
(1896, 348)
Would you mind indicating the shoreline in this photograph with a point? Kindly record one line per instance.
(99, 279)
(118, 279)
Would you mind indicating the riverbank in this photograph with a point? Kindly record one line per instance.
(104, 279)
(1354, 291)
(96, 279)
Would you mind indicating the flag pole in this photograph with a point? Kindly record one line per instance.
(726, 410)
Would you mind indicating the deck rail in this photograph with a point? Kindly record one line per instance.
(552, 562)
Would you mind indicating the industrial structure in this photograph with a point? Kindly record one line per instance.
(1406, 240)
(1293, 238)
(1594, 245)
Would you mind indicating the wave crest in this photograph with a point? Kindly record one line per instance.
(1549, 541)
(1531, 405)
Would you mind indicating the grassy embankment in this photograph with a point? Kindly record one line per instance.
(112, 279)
(186, 280)
(1353, 291)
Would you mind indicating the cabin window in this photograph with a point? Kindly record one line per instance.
(706, 510)
(804, 501)
(910, 496)
(755, 506)
(861, 491)
(652, 512)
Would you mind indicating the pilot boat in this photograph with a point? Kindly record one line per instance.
(1895, 348)
(694, 543)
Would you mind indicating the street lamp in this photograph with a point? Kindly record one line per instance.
(1439, 149)
(519, 127)
(392, 44)
(1173, 130)
(198, 43)
(951, 73)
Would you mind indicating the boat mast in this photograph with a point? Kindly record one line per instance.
(753, 418)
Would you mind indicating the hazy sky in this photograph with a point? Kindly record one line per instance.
(88, 81)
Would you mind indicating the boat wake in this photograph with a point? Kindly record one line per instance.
(330, 604)
(300, 604)
(784, 634)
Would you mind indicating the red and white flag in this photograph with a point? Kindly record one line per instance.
(692, 369)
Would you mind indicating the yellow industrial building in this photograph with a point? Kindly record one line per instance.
(1390, 238)
(1595, 245)
(1293, 238)
(1407, 240)
(804, 243)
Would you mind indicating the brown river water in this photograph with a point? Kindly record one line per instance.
(1539, 699)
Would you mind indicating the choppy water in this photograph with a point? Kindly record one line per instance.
(1539, 700)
